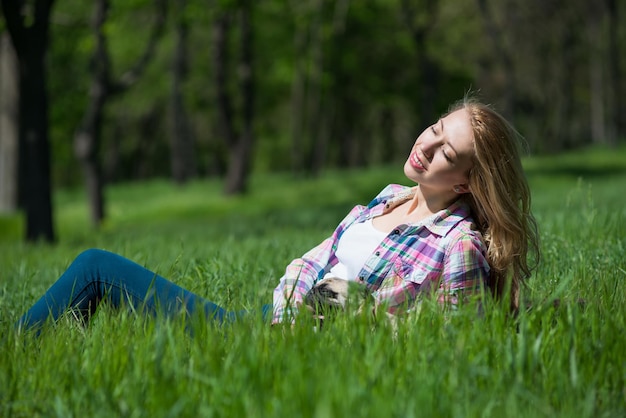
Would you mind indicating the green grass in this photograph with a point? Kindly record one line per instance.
(566, 362)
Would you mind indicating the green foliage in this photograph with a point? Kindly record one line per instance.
(550, 362)
(363, 86)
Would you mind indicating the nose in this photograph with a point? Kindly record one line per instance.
(428, 146)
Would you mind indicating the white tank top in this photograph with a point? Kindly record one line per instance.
(355, 246)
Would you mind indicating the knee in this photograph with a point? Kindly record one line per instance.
(92, 257)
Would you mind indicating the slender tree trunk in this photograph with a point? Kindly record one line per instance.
(429, 81)
(298, 95)
(241, 151)
(596, 77)
(429, 74)
(31, 45)
(616, 120)
(181, 141)
(221, 60)
(349, 145)
(324, 112)
(9, 128)
(502, 56)
(306, 87)
(148, 129)
(88, 136)
(564, 136)
(313, 111)
(320, 149)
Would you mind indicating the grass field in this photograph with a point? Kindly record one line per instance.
(569, 362)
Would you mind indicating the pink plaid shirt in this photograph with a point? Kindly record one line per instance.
(442, 252)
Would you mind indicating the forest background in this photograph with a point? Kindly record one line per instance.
(115, 91)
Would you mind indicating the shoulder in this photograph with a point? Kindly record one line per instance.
(465, 237)
(389, 192)
(461, 227)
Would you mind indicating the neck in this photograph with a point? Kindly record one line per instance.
(426, 203)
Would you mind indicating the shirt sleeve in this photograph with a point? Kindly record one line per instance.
(465, 270)
(302, 273)
(300, 276)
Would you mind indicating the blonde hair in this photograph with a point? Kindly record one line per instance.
(500, 201)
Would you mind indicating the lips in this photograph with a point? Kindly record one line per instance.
(416, 163)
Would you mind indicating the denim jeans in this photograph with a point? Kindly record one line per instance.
(97, 275)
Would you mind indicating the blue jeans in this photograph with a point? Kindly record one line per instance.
(97, 275)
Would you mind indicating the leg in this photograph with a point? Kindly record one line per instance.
(96, 275)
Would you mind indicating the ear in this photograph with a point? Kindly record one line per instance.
(461, 188)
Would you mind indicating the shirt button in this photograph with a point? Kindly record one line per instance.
(396, 231)
(361, 279)
(377, 253)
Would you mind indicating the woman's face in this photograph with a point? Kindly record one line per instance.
(442, 155)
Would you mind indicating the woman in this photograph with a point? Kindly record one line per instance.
(465, 226)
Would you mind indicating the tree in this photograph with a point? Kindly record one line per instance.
(181, 141)
(316, 24)
(602, 22)
(103, 87)
(420, 27)
(616, 99)
(237, 132)
(597, 70)
(8, 125)
(343, 83)
(29, 30)
(503, 53)
(306, 87)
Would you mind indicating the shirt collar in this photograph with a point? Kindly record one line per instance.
(442, 222)
(439, 223)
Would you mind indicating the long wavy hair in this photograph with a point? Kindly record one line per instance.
(500, 201)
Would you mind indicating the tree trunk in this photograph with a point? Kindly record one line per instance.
(9, 102)
(429, 75)
(306, 93)
(313, 110)
(88, 136)
(429, 82)
(181, 141)
(298, 94)
(596, 77)
(564, 136)
(31, 44)
(241, 151)
(324, 108)
(616, 121)
(502, 56)
(220, 60)
(35, 183)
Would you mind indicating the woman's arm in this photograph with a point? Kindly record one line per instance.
(302, 273)
(300, 276)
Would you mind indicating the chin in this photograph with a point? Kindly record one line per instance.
(410, 173)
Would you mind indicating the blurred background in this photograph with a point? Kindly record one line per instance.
(103, 91)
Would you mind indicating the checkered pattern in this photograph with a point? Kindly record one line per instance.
(441, 253)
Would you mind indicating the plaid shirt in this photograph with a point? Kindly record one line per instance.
(443, 252)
